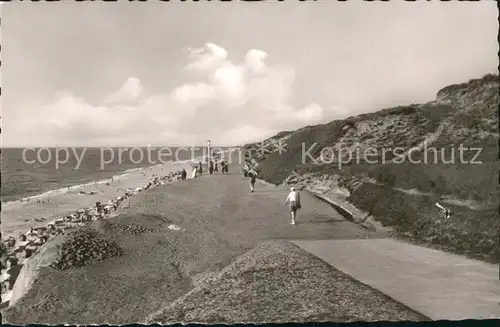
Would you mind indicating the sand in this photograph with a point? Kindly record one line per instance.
(19, 216)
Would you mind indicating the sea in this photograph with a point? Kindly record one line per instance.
(29, 172)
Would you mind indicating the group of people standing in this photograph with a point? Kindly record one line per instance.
(213, 167)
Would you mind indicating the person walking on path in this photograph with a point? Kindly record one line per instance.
(246, 170)
(293, 200)
(223, 165)
(211, 167)
(183, 174)
(216, 167)
(200, 168)
(253, 177)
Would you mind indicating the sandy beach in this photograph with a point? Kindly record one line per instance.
(20, 216)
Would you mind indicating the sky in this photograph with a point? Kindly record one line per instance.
(132, 74)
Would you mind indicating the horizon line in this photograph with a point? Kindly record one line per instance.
(121, 146)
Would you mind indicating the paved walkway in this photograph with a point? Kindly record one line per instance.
(434, 283)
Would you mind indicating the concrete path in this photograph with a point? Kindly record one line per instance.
(437, 284)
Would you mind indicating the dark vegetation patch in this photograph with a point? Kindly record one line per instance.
(83, 247)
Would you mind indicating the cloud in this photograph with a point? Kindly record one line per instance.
(195, 93)
(255, 60)
(229, 103)
(207, 58)
(131, 90)
(310, 114)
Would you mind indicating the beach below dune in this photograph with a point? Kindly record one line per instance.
(219, 220)
(19, 216)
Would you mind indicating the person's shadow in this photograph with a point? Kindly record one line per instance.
(319, 219)
(264, 190)
(316, 221)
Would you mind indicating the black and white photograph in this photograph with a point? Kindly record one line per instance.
(254, 162)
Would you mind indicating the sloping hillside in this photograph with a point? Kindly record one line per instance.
(395, 164)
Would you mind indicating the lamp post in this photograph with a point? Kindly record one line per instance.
(208, 151)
